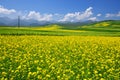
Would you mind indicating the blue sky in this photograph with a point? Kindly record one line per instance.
(61, 10)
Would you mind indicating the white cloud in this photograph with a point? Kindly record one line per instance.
(118, 14)
(37, 16)
(93, 19)
(109, 15)
(33, 15)
(12, 13)
(77, 16)
(6, 11)
(113, 15)
(99, 15)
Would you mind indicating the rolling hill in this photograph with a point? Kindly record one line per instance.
(102, 28)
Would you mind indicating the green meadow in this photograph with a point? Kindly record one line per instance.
(104, 28)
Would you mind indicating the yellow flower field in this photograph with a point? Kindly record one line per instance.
(59, 58)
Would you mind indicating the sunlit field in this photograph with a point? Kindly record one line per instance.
(59, 57)
(103, 28)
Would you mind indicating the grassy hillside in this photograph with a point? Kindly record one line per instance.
(103, 28)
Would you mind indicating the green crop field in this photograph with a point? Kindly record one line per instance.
(55, 52)
(106, 28)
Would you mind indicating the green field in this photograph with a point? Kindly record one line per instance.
(56, 52)
(105, 28)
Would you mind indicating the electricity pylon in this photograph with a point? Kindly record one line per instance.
(18, 21)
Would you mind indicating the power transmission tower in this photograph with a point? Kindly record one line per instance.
(18, 21)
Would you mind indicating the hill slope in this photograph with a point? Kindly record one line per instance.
(103, 28)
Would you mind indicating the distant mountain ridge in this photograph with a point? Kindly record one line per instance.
(5, 21)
